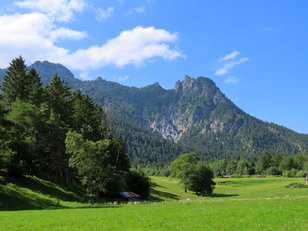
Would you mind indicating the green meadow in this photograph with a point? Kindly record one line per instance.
(237, 204)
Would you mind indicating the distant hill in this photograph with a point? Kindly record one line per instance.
(159, 124)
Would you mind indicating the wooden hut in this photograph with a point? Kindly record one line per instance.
(130, 196)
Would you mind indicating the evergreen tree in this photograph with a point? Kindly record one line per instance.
(14, 84)
(58, 97)
(35, 88)
(30, 122)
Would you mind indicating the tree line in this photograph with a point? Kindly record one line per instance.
(56, 133)
(269, 163)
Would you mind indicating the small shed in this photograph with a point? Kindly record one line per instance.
(225, 176)
(307, 179)
(130, 196)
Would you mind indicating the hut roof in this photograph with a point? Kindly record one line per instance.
(129, 195)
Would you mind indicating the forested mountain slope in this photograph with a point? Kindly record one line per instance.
(158, 124)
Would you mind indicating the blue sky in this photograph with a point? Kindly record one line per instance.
(255, 51)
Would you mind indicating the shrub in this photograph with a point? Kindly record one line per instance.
(272, 171)
(301, 173)
(138, 182)
(296, 185)
(236, 176)
(291, 173)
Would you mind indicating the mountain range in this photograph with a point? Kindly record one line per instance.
(159, 124)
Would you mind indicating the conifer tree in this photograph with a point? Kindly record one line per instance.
(14, 82)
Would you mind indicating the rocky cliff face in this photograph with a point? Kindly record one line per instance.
(196, 100)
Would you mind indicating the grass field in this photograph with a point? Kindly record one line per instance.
(237, 204)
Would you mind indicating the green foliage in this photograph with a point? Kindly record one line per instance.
(290, 173)
(35, 121)
(243, 167)
(272, 171)
(299, 162)
(231, 167)
(93, 161)
(138, 182)
(264, 162)
(286, 163)
(296, 185)
(201, 180)
(219, 167)
(301, 173)
(183, 166)
(14, 84)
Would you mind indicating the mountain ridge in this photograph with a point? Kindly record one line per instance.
(194, 116)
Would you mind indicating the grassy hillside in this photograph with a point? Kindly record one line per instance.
(29, 192)
(237, 204)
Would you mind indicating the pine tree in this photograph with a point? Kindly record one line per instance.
(14, 82)
(58, 97)
(35, 88)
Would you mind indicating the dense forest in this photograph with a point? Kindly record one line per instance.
(55, 133)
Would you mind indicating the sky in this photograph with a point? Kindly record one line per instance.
(255, 51)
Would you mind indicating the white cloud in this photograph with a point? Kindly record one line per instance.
(103, 14)
(224, 69)
(231, 79)
(232, 55)
(33, 36)
(124, 78)
(139, 9)
(57, 10)
(130, 47)
(64, 33)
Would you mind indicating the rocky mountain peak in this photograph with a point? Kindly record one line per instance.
(47, 70)
(201, 86)
(154, 86)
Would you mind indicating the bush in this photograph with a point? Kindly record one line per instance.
(272, 171)
(286, 173)
(236, 176)
(296, 185)
(291, 173)
(138, 182)
(301, 173)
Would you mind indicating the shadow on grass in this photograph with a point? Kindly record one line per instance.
(26, 192)
(13, 200)
(223, 195)
(157, 194)
(48, 188)
(153, 184)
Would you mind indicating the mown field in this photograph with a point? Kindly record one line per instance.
(237, 204)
